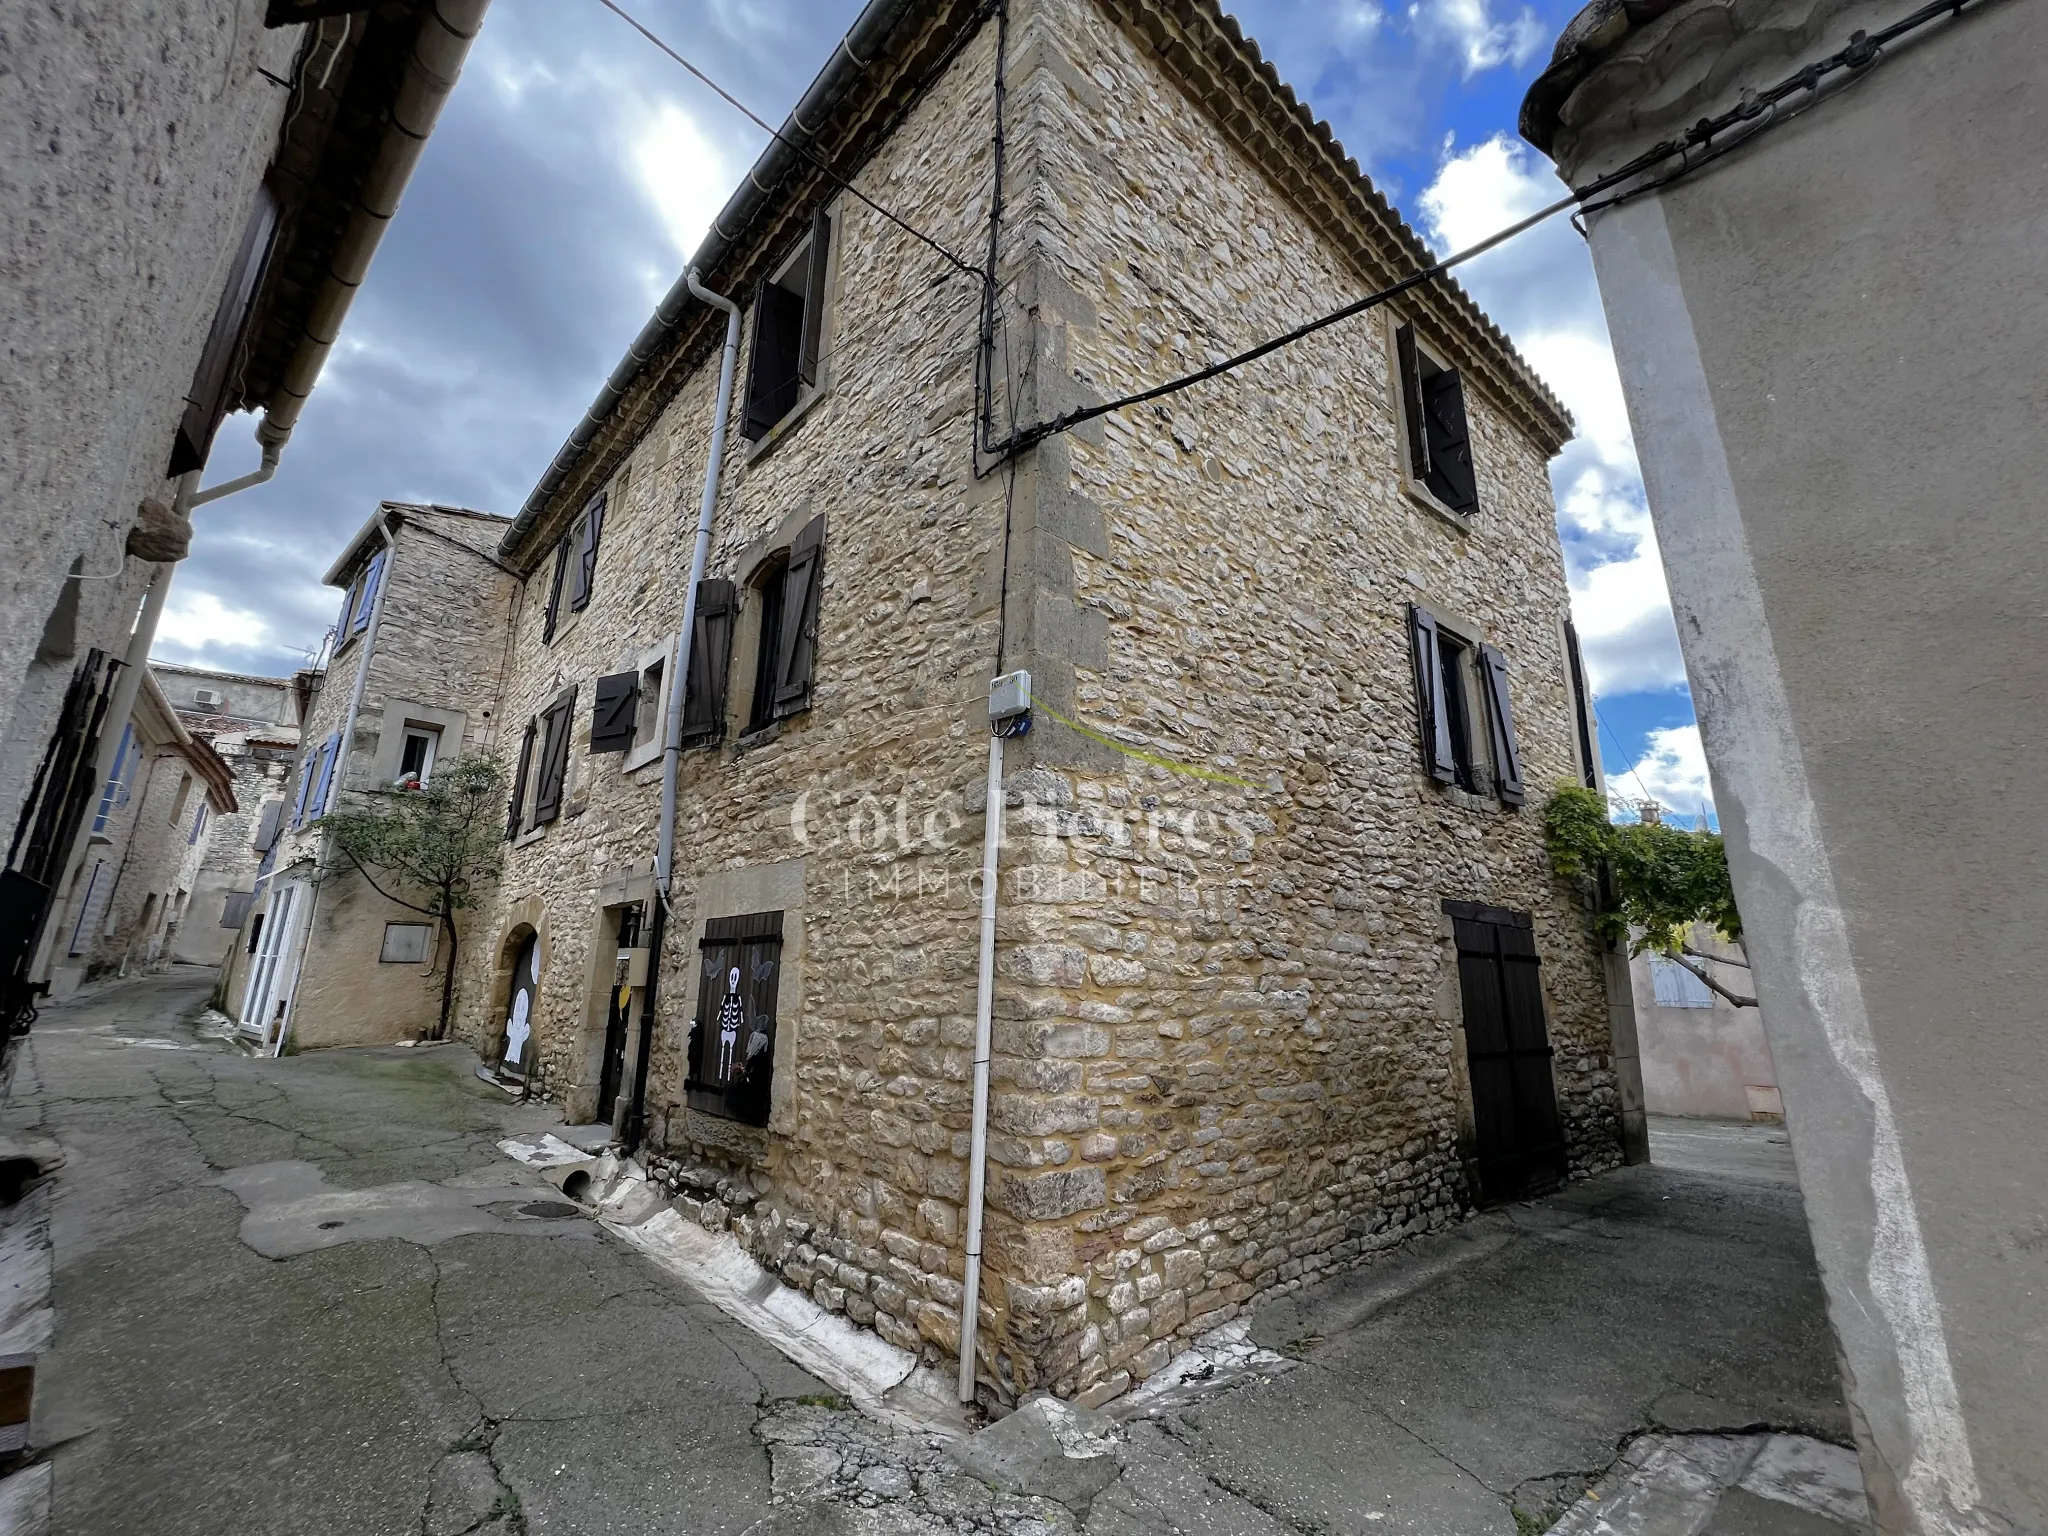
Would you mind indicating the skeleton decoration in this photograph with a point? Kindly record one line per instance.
(732, 1013)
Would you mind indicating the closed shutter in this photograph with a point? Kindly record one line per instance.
(323, 792)
(517, 808)
(1500, 721)
(1450, 447)
(1582, 708)
(590, 533)
(1432, 716)
(234, 908)
(309, 765)
(1410, 385)
(814, 297)
(373, 573)
(704, 698)
(732, 1045)
(547, 627)
(611, 722)
(554, 758)
(214, 382)
(772, 378)
(796, 648)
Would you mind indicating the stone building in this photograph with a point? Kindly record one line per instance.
(411, 679)
(250, 722)
(1831, 331)
(1274, 844)
(194, 195)
(1704, 1056)
(148, 839)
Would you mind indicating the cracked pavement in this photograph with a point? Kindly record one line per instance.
(310, 1295)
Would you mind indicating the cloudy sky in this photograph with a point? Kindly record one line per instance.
(576, 167)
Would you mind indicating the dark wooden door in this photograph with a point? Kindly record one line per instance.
(615, 1026)
(1507, 1046)
(518, 1039)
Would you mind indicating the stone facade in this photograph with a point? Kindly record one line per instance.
(426, 657)
(1228, 1045)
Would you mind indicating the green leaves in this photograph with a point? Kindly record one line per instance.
(445, 841)
(1659, 879)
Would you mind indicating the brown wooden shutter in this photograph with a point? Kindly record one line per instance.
(559, 726)
(796, 647)
(1410, 387)
(591, 532)
(518, 806)
(1582, 708)
(611, 722)
(213, 382)
(704, 697)
(1451, 475)
(554, 612)
(772, 378)
(1432, 715)
(814, 297)
(1500, 722)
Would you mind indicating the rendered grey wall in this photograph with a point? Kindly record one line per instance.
(1833, 349)
(131, 143)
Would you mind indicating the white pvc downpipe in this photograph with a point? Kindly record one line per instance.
(984, 1010)
(707, 511)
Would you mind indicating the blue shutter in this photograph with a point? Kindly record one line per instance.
(372, 575)
(323, 797)
(307, 769)
(113, 789)
(198, 824)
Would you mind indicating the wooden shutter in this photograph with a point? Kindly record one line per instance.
(704, 696)
(519, 777)
(814, 297)
(1582, 708)
(547, 628)
(1410, 386)
(1432, 714)
(323, 790)
(373, 574)
(307, 768)
(266, 825)
(772, 378)
(348, 608)
(558, 727)
(589, 532)
(1500, 722)
(213, 383)
(1451, 475)
(611, 722)
(796, 646)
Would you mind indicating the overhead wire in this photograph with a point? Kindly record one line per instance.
(780, 137)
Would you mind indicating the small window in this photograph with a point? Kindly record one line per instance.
(1454, 664)
(786, 643)
(575, 572)
(767, 592)
(1437, 442)
(647, 723)
(406, 944)
(1462, 709)
(789, 317)
(416, 757)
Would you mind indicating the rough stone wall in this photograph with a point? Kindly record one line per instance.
(130, 152)
(1227, 1049)
(440, 645)
(230, 860)
(147, 843)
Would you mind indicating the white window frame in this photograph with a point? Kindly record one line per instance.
(431, 735)
(650, 710)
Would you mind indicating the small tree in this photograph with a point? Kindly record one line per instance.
(1648, 878)
(443, 843)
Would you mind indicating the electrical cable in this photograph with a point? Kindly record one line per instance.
(776, 133)
(1862, 52)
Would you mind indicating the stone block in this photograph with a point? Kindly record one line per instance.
(1047, 1196)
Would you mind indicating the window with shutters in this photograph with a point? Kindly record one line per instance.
(573, 577)
(785, 370)
(650, 712)
(360, 601)
(557, 724)
(1435, 440)
(781, 628)
(1464, 715)
(216, 382)
(522, 776)
(732, 1042)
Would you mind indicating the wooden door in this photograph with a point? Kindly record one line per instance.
(1507, 1047)
(519, 1019)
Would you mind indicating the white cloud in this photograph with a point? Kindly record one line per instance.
(682, 175)
(197, 622)
(1482, 42)
(1672, 771)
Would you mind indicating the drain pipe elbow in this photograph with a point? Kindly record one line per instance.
(273, 442)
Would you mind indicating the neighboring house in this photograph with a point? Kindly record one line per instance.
(1703, 1055)
(411, 680)
(1282, 971)
(148, 840)
(194, 195)
(1830, 311)
(249, 722)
